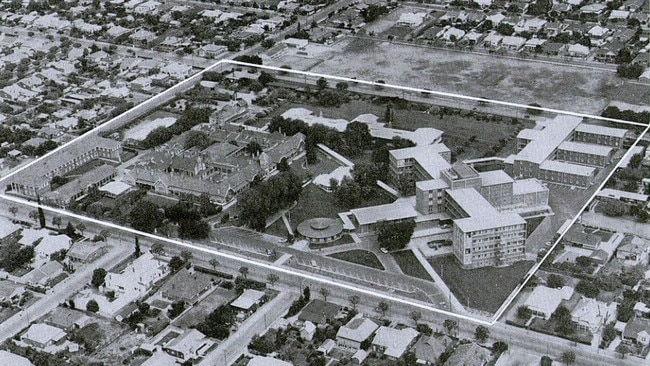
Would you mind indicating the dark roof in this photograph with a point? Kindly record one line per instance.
(635, 326)
(186, 286)
(318, 311)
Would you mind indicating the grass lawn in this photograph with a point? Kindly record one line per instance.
(482, 288)
(358, 256)
(410, 265)
(314, 202)
(85, 168)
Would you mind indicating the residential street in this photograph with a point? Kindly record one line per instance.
(62, 291)
(233, 347)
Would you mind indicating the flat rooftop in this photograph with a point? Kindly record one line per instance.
(495, 177)
(591, 149)
(482, 215)
(388, 212)
(558, 166)
(601, 130)
(552, 134)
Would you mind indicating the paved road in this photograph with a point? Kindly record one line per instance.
(229, 350)
(330, 267)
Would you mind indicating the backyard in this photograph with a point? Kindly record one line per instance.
(202, 309)
(482, 288)
(358, 256)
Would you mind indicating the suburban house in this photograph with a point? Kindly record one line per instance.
(249, 300)
(393, 343)
(543, 301)
(41, 335)
(591, 314)
(469, 354)
(8, 230)
(85, 251)
(191, 345)
(187, 286)
(10, 292)
(67, 319)
(633, 251)
(139, 277)
(319, 312)
(42, 275)
(637, 331)
(356, 331)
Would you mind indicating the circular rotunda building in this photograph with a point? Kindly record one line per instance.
(321, 230)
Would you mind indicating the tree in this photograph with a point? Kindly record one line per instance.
(81, 227)
(568, 357)
(482, 333)
(505, 29)
(357, 137)
(322, 84)
(177, 309)
(416, 316)
(214, 263)
(197, 138)
(34, 216)
(306, 294)
(635, 161)
(383, 308)
(186, 255)
(555, 281)
(218, 323)
(272, 278)
(324, 292)
(546, 361)
(499, 347)
(99, 274)
(137, 252)
(14, 210)
(145, 216)
(244, 271)
(395, 235)
(588, 288)
(629, 71)
(92, 306)
(176, 263)
(622, 349)
(613, 208)
(70, 230)
(354, 300)
(524, 313)
(157, 248)
(450, 325)
(57, 221)
(562, 318)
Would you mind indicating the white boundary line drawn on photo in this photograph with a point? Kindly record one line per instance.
(156, 101)
(268, 266)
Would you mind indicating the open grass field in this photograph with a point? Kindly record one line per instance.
(410, 265)
(552, 85)
(358, 256)
(482, 288)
